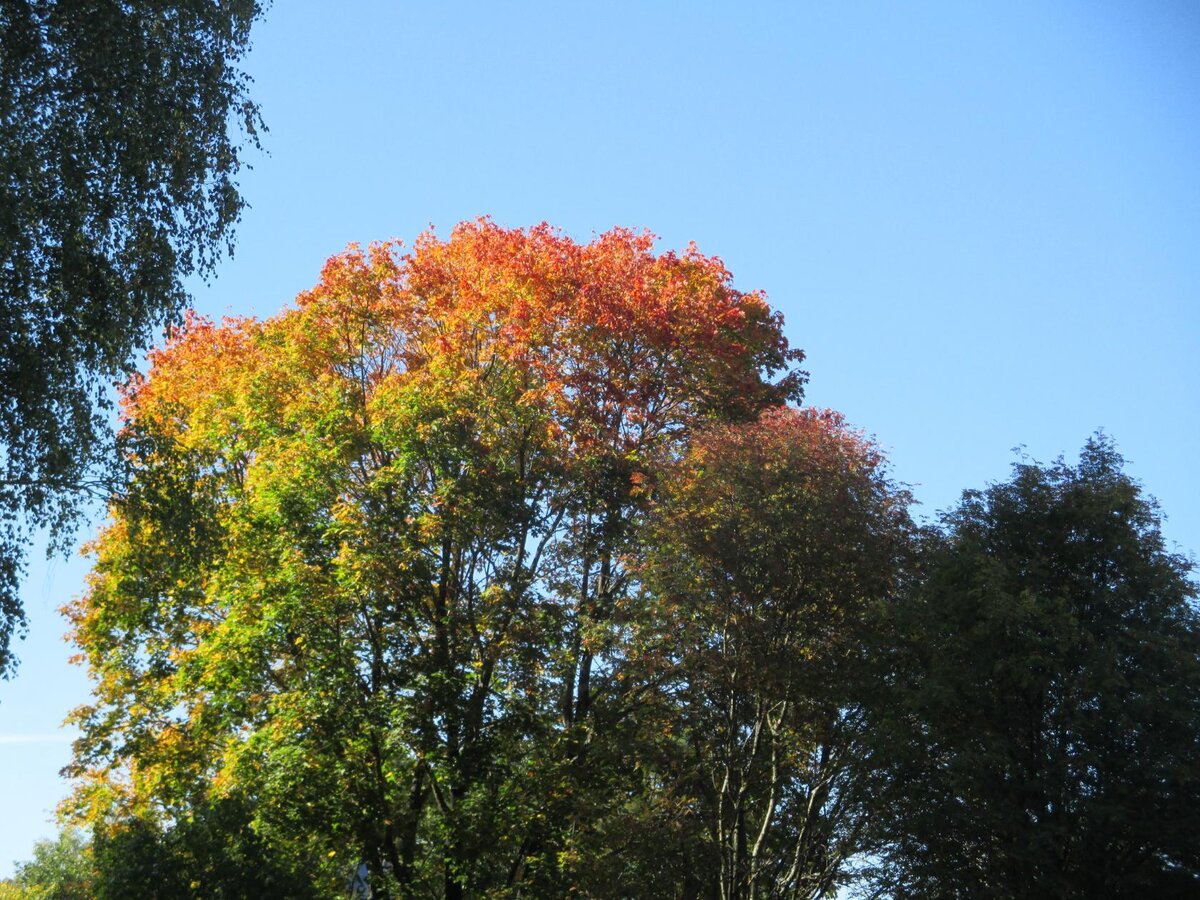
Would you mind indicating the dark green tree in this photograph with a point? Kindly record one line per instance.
(1041, 730)
(117, 181)
(213, 853)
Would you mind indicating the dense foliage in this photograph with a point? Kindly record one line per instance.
(369, 572)
(507, 567)
(773, 543)
(1042, 727)
(117, 168)
(61, 869)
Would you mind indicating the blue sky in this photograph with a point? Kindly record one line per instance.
(982, 224)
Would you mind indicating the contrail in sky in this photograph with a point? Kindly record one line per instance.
(50, 738)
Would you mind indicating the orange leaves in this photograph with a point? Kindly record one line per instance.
(794, 509)
(359, 301)
(195, 381)
(784, 436)
(402, 480)
(611, 346)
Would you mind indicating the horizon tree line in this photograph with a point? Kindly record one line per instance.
(510, 566)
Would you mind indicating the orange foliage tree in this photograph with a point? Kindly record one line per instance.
(366, 575)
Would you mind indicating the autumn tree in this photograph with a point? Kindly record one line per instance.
(117, 181)
(773, 545)
(363, 578)
(1042, 728)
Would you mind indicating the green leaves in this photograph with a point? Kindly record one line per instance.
(117, 181)
(1037, 668)
(367, 568)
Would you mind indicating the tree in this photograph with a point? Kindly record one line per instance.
(60, 870)
(774, 542)
(213, 852)
(117, 171)
(364, 575)
(1042, 727)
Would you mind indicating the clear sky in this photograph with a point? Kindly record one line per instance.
(981, 223)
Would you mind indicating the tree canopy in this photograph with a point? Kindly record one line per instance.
(117, 181)
(60, 870)
(773, 544)
(369, 572)
(508, 566)
(1042, 724)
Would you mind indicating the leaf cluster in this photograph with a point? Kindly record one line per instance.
(1041, 724)
(117, 181)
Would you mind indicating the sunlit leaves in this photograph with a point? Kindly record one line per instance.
(364, 574)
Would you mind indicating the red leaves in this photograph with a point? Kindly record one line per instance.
(436, 459)
(615, 347)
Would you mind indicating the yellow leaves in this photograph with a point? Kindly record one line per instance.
(225, 781)
(385, 496)
(97, 793)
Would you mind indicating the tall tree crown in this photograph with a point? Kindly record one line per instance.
(1043, 721)
(374, 547)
